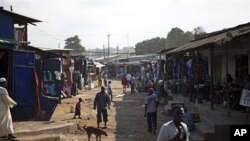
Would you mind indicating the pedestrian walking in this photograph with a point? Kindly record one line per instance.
(101, 103)
(78, 109)
(99, 80)
(110, 91)
(74, 90)
(174, 130)
(6, 102)
(105, 79)
(128, 78)
(132, 83)
(124, 83)
(151, 104)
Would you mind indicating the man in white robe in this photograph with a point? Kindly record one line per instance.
(6, 102)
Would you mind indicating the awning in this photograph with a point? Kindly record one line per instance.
(215, 37)
(128, 63)
(99, 65)
(8, 42)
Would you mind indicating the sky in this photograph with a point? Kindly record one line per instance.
(126, 21)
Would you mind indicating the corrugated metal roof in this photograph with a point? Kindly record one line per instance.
(215, 37)
(128, 63)
(164, 50)
(44, 52)
(51, 49)
(19, 19)
(106, 57)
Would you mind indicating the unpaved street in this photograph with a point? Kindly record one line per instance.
(126, 120)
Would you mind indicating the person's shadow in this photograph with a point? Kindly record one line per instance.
(5, 139)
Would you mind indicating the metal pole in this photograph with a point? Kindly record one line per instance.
(89, 53)
(117, 50)
(104, 52)
(108, 47)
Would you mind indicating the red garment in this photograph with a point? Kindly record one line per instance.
(37, 99)
(78, 105)
(124, 81)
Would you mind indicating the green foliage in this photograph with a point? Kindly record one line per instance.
(199, 32)
(74, 43)
(177, 37)
(150, 46)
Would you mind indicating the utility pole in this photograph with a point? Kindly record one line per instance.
(108, 47)
(89, 52)
(117, 50)
(127, 53)
(104, 51)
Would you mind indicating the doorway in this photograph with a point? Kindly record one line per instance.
(241, 66)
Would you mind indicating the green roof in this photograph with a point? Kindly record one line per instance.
(8, 42)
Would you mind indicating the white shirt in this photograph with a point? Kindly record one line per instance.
(133, 80)
(109, 88)
(169, 131)
(128, 77)
(105, 77)
(58, 75)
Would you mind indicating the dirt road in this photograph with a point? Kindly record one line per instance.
(126, 120)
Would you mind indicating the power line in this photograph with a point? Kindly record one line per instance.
(48, 35)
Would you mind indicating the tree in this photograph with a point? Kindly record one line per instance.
(74, 43)
(150, 46)
(199, 32)
(188, 36)
(177, 37)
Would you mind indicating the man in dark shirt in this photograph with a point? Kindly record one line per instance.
(151, 104)
(102, 101)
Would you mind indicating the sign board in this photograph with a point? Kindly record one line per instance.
(245, 98)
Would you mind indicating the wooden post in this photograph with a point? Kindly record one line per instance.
(228, 108)
(246, 120)
(212, 77)
(178, 67)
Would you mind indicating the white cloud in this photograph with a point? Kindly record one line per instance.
(128, 21)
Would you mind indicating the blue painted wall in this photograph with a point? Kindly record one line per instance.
(6, 26)
(23, 89)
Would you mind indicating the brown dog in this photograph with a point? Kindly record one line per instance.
(92, 130)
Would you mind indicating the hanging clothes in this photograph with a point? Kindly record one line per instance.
(190, 71)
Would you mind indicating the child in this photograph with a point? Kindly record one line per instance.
(110, 90)
(78, 109)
